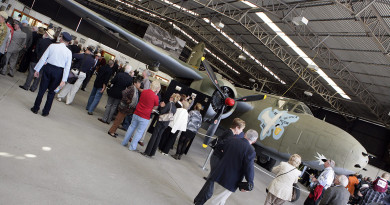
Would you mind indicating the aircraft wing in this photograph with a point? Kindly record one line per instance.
(172, 65)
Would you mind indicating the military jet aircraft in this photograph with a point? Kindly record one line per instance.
(286, 126)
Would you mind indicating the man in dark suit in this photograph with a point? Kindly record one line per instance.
(338, 194)
(236, 163)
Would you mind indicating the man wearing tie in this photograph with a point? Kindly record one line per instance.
(58, 59)
(90, 71)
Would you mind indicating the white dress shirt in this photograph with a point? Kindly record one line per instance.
(58, 55)
(326, 177)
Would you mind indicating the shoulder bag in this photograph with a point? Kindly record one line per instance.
(167, 117)
(72, 77)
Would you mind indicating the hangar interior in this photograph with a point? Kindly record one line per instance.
(333, 55)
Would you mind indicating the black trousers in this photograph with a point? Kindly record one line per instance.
(155, 138)
(205, 193)
(87, 79)
(184, 140)
(167, 140)
(51, 79)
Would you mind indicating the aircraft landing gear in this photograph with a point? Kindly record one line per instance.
(266, 161)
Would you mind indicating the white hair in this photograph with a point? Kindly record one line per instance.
(128, 68)
(251, 135)
(155, 86)
(343, 180)
(332, 163)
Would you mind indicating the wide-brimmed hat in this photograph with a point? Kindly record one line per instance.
(98, 54)
(4, 14)
(50, 33)
(41, 30)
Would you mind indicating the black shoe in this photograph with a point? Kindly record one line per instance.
(10, 75)
(176, 156)
(83, 89)
(2, 73)
(101, 120)
(45, 114)
(90, 113)
(21, 86)
(112, 135)
(34, 111)
(32, 90)
(205, 178)
(145, 155)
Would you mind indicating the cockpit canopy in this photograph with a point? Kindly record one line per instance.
(293, 106)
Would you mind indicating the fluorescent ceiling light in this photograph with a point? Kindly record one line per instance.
(180, 7)
(138, 9)
(300, 52)
(249, 4)
(243, 50)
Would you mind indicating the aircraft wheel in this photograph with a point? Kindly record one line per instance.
(266, 162)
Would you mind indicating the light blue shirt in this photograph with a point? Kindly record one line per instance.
(58, 55)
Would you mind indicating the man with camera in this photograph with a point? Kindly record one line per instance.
(236, 163)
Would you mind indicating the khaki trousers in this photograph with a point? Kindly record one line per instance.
(273, 200)
(220, 195)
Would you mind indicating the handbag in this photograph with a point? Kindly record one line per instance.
(296, 193)
(72, 77)
(167, 117)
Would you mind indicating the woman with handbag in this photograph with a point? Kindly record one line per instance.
(166, 112)
(179, 123)
(281, 188)
(126, 106)
(194, 123)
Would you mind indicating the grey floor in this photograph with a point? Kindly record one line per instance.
(68, 158)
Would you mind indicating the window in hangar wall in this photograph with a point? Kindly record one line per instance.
(22, 15)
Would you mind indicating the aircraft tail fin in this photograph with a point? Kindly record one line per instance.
(196, 55)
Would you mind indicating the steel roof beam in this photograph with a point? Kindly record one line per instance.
(269, 41)
(331, 60)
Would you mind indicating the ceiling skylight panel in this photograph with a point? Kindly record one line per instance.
(300, 52)
(249, 4)
(180, 7)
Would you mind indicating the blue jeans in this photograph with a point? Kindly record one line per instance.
(94, 99)
(137, 123)
(126, 122)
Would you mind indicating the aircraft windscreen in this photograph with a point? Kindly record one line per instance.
(288, 106)
(307, 109)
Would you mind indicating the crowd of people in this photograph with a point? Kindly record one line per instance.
(63, 68)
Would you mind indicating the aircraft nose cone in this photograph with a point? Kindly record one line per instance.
(229, 102)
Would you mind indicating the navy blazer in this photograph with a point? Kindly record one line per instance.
(236, 163)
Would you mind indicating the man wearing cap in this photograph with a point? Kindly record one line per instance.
(5, 33)
(84, 63)
(55, 62)
(323, 182)
(26, 29)
(18, 42)
(41, 47)
(90, 71)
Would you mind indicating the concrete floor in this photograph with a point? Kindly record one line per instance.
(87, 166)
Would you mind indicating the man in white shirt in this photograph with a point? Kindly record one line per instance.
(325, 180)
(55, 63)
